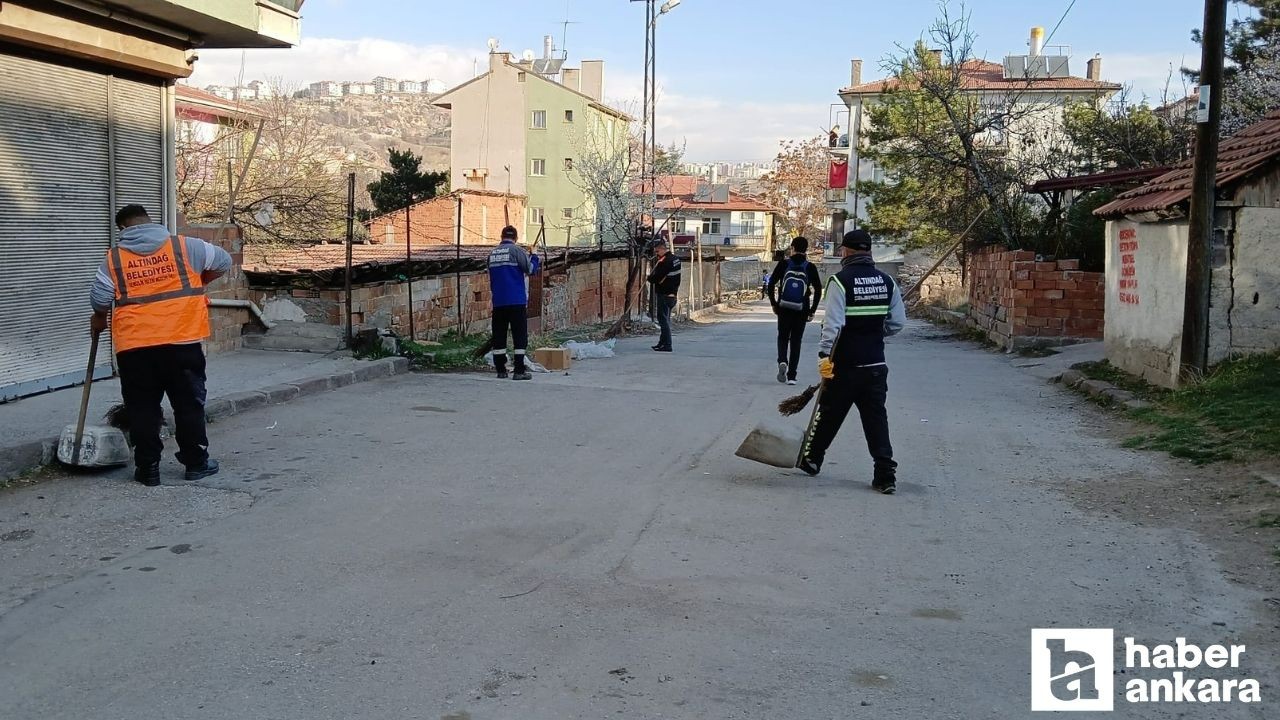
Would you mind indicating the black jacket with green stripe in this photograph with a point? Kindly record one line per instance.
(863, 306)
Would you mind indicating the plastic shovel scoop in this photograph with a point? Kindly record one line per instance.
(772, 442)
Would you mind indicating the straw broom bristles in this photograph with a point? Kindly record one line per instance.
(796, 403)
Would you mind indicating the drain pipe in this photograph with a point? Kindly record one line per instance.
(249, 305)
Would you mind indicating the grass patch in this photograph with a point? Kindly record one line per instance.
(1267, 520)
(1232, 414)
(452, 351)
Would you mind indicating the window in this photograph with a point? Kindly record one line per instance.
(568, 116)
(568, 164)
(540, 119)
(538, 168)
(711, 226)
(567, 213)
(535, 215)
(676, 225)
(748, 217)
(520, 77)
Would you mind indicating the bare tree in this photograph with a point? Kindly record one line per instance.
(935, 122)
(798, 185)
(289, 190)
(607, 172)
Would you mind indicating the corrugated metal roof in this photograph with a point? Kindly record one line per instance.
(1239, 156)
(324, 263)
(1109, 178)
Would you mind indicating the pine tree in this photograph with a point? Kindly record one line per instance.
(406, 183)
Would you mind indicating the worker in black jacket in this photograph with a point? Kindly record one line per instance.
(863, 306)
(799, 290)
(665, 280)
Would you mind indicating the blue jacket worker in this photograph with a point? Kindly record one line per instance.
(509, 266)
(863, 306)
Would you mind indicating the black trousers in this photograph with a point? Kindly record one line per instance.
(516, 319)
(790, 333)
(866, 388)
(146, 376)
(664, 306)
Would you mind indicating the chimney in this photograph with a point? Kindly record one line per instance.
(1095, 68)
(1037, 41)
(593, 79)
(570, 78)
(937, 55)
(548, 46)
(855, 76)
(497, 59)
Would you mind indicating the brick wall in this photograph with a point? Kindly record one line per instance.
(571, 298)
(434, 222)
(1023, 303)
(225, 324)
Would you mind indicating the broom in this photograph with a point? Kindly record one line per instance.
(796, 403)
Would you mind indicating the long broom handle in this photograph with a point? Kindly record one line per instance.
(84, 398)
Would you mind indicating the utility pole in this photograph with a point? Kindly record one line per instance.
(351, 233)
(1195, 320)
(408, 263)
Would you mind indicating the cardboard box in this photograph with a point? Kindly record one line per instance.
(553, 358)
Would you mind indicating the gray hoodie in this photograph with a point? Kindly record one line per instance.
(210, 260)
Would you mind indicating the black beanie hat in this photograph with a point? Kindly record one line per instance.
(509, 233)
(857, 239)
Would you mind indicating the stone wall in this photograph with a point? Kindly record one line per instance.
(1022, 303)
(571, 298)
(226, 324)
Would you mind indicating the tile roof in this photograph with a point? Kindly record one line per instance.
(670, 185)
(1239, 156)
(194, 101)
(736, 202)
(984, 75)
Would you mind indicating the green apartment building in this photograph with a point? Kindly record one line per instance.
(522, 127)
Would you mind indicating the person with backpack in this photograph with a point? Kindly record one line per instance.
(799, 290)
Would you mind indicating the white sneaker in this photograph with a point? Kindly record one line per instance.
(782, 372)
(791, 382)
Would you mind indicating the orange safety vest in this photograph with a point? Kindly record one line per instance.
(159, 298)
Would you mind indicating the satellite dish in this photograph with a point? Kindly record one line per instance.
(527, 55)
(493, 44)
(265, 215)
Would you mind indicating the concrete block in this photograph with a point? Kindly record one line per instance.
(245, 401)
(312, 385)
(399, 365)
(342, 379)
(1095, 387)
(1072, 378)
(219, 408)
(366, 371)
(281, 393)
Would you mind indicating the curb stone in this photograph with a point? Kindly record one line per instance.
(21, 458)
(1077, 380)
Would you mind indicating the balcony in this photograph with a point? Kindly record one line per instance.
(229, 24)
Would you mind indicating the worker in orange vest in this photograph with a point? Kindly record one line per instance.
(152, 284)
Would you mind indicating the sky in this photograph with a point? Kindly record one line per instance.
(734, 76)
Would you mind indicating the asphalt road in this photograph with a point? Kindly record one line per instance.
(587, 546)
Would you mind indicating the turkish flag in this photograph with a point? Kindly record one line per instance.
(838, 177)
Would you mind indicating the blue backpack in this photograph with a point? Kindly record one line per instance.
(795, 286)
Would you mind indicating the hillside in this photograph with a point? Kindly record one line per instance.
(369, 125)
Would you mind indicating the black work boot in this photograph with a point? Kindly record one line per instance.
(500, 363)
(521, 372)
(195, 472)
(148, 474)
(884, 482)
(809, 466)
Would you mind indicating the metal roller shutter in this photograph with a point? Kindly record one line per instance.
(56, 218)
